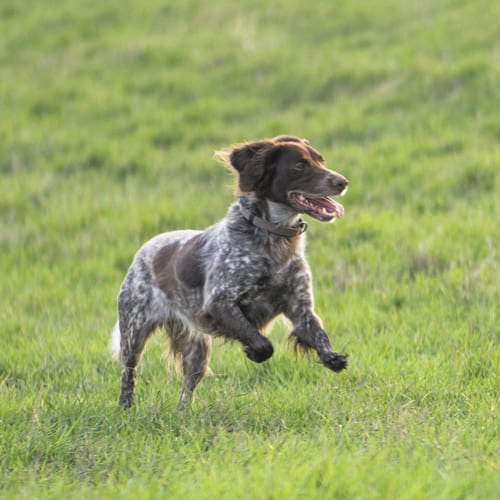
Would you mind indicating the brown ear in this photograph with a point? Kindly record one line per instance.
(249, 161)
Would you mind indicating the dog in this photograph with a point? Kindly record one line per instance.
(235, 277)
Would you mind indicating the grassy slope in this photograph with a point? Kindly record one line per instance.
(110, 112)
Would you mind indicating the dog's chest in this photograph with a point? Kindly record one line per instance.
(264, 303)
(269, 292)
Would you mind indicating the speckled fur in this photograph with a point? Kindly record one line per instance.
(230, 280)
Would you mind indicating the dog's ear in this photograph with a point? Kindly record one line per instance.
(249, 161)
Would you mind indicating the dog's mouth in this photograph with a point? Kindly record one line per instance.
(322, 208)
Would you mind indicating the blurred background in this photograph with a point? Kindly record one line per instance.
(111, 113)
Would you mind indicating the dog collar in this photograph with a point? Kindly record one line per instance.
(288, 232)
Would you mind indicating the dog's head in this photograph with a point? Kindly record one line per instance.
(288, 170)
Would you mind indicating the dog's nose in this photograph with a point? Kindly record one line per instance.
(340, 182)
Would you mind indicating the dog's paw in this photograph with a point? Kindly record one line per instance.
(126, 401)
(260, 351)
(335, 361)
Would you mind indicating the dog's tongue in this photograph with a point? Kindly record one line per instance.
(323, 209)
(337, 207)
(331, 206)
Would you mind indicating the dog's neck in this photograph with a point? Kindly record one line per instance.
(272, 216)
(271, 211)
(281, 215)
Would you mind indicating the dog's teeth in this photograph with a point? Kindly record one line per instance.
(301, 197)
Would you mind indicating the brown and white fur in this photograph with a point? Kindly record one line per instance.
(236, 276)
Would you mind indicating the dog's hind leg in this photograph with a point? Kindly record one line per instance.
(134, 334)
(195, 359)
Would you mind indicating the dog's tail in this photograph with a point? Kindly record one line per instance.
(115, 347)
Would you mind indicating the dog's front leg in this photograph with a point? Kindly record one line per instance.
(308, 334)
(227, 320)
(308, 330)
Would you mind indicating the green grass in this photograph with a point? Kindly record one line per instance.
(109, 116)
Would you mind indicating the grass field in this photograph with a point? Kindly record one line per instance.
(109, 116)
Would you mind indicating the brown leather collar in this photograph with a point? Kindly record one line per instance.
(288, 232)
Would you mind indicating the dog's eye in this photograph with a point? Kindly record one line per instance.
(301, 165)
